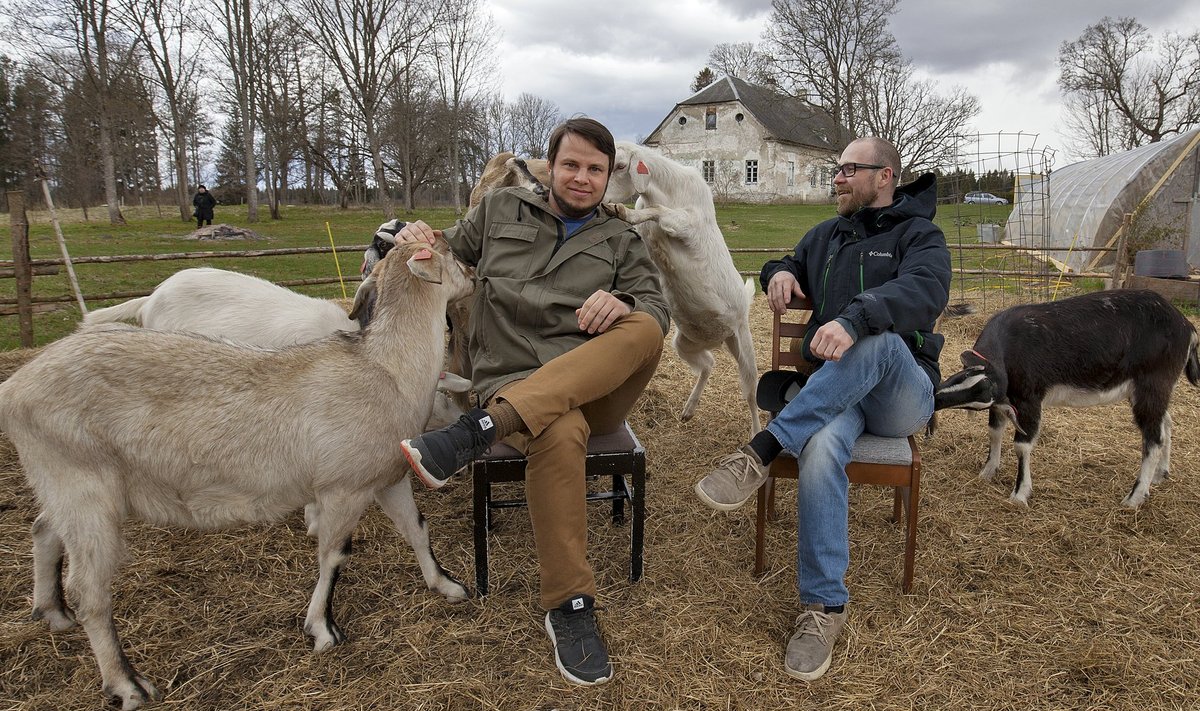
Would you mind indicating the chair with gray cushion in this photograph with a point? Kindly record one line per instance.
(882, 461)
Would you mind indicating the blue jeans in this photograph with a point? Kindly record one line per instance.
(876, 387)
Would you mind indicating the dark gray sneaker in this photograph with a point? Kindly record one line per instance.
(579, 650)
(436, 456)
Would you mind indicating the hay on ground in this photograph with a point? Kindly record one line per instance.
(1070, 603)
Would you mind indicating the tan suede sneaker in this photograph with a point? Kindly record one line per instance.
(810, 648)
(733, 481)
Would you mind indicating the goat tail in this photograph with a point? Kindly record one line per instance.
(1193, 361)
(125, 311)
(960, 309)
(751, 289)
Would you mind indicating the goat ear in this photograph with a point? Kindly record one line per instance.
(426, 266)
(363, 298)
(1010, 412)
(640, 173)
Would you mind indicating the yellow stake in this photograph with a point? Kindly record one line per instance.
(335, 260)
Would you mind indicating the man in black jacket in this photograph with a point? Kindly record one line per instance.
(204, 202)
(879, 277)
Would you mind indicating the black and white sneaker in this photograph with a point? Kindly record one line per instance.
(436, 456)
(579, 650)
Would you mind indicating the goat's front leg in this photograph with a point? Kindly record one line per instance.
(676, 223)
(1029, 419)
(339, 515)
(995, 434)
(397, 502)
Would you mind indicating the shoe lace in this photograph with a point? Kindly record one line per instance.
(740, 464)
(814, 623)
(576, 626)
(476, 442)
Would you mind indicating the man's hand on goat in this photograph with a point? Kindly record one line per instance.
(418, 231)
(600, 311)
(782, 288)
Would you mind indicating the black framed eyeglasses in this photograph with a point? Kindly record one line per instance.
(849, 169)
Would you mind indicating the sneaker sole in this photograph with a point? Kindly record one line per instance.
(812, 675)
(414, 461)
(558, 662)
(710, 503)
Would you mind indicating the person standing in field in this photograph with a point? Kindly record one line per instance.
(204, 202)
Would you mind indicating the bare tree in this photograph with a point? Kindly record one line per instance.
(533, 120)
(741, 60)
(163, 29)
(922, 124)
(1093, 127)
(238, 50)
(465, 50)
(831, 50)
(1152, 88)
(370, 43)
(80, 40)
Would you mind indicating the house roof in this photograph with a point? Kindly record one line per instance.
(786, 118)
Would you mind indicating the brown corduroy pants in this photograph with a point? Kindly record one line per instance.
(588, 389)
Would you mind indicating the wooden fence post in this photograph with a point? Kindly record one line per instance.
(1121, 258)
(21, 268)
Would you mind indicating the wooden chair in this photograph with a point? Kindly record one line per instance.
(613, 455)
(882, 461)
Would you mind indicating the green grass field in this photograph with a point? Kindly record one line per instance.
(152, 230)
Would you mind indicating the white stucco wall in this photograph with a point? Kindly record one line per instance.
(732, 143)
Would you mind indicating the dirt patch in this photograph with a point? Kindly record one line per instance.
(1070, 603)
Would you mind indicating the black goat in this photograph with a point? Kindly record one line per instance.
(1087, 350)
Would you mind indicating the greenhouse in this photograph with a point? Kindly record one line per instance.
(1083, 205)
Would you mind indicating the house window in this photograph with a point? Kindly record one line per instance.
(751, 172)
(709, 168)
(791, 178)
(682, 120)
(710, 118)
(812, 178)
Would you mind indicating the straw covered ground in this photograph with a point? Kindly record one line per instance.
(1071, 603)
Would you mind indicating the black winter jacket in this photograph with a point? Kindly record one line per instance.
(881, 269)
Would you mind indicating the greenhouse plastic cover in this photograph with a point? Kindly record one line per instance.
(1087, 200)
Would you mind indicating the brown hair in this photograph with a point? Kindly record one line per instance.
(590, 129)
(885, 154)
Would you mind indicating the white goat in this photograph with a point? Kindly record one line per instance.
(709, 301)
(506, 169)
(117, 422)
(233, 306)
(246, 309)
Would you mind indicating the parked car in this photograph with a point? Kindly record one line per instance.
(984, 199)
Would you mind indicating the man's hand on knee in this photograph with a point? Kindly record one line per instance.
(600, 311)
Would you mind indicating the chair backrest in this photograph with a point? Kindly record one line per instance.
(785, 330)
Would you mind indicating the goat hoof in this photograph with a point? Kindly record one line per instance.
(1160, 477)
(1019, 500)
(452, 590)
(1131, 502)
(135, 691)
(59, 619)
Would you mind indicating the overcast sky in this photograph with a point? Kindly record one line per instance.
(628, 62)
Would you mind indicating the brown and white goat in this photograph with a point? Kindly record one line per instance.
(116, 422)
(1094, 349)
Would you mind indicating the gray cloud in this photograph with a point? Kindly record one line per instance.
(950, 35)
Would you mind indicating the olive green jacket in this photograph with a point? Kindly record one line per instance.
(530, 281)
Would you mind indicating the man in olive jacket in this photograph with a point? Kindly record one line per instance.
(566, 330)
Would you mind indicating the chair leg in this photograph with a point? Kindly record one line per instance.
(618, 502)
(760, 525)
(770, 487)
(481, 501)
(639, 520)
(911, 498)
(898, 493)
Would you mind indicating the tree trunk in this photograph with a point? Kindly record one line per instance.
(110, 171)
